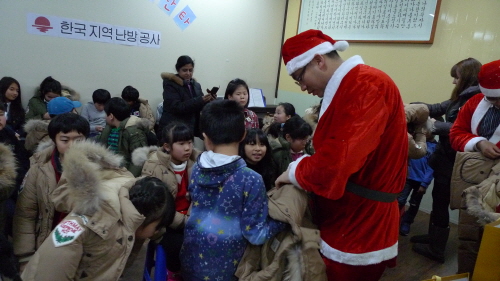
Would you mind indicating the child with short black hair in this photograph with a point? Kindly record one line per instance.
(138, 107)
(124, 133)
(35, 214)
(294, 143)
(228, 200)
(108, 209)
(94, 112)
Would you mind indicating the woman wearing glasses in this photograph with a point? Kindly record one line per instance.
(433, 244)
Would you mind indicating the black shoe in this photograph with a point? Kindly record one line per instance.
(435, 249)
(421, 239)
(425, 250)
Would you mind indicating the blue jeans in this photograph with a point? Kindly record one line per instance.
(415, 199)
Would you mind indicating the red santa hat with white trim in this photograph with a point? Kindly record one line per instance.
(300, 49)
(489, 79)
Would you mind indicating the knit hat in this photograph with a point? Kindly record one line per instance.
(489, 79)
(61, 105)
(300, 49)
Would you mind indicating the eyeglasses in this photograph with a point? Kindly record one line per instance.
(301, 76)
(492, 99)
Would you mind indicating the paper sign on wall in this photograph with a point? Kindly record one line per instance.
(168, 6)
(85, 30)
(185, 18)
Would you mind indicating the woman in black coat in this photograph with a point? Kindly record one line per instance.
(464, 75)
(183, 98)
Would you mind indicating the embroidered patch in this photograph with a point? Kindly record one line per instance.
(66, 232)
(82, 217)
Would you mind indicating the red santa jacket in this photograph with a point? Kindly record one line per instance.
(463, 134)
(361, 137)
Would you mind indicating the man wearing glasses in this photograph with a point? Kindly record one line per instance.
(360, 162)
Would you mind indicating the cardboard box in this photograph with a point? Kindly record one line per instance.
(456, 277)
(486, 267)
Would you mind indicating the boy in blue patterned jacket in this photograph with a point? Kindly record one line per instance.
(228, 200)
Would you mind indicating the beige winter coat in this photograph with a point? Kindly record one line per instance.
(291, 255)
(7, 179)
(34, 210)
(156, 163)
(94, 241)
(145, 111)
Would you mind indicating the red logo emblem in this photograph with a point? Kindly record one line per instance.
(42, 24)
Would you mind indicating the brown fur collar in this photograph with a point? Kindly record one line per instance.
(7, 170)
(173, 77)
(35, 125)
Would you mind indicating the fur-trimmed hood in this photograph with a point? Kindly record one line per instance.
(35, 125)
(7, 172)
(476, 208)
(66, 91)
(174, 77)
(140, 123)
(142, 154)
(91, 180)
(312, 116)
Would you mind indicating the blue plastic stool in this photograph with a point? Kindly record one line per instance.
(160, 263)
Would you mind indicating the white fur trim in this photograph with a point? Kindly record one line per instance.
(140, 155)
(340, 46)
(333, 84)
(374, 257)
(304, 58)
(291, 171)
(478, 114)
(470, 146)
(494, 93)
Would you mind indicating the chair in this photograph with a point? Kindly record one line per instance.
(155, 257)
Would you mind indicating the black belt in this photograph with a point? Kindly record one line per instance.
(371, 194)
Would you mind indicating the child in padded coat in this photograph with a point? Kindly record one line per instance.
(228, 200)
(35, 215)
(172, 163)
(107, 210)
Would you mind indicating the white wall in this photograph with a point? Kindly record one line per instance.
(228, 39)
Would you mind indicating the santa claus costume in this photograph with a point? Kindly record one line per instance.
(360, 162)
(471, 125)
(478, 120)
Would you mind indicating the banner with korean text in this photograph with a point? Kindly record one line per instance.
(85, 30)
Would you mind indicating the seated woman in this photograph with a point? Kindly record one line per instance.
(238, 91)
(183, 98)
(10, 96)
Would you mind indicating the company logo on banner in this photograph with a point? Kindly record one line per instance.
(92, 31)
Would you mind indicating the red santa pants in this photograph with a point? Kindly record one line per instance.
(340, 271)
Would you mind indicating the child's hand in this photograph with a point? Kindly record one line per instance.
(46, 116)
(99, 128)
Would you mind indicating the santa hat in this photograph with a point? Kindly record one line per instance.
(300, 49)
(489, 79)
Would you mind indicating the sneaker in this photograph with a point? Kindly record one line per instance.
(404, 229)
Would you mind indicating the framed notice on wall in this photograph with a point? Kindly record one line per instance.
(391, 21)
